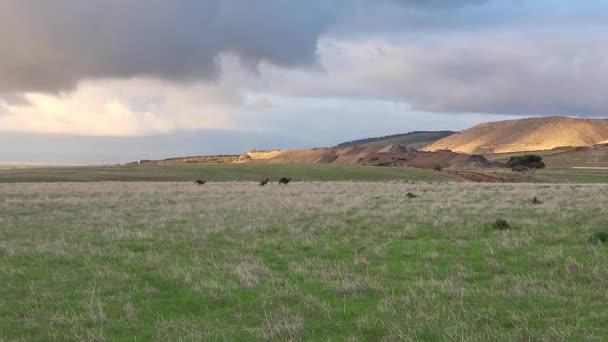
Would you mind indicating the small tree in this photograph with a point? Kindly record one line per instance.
(530, 161)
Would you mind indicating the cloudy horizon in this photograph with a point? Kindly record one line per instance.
(108, 81)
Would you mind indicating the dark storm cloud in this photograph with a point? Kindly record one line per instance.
(13, 99)
(51, 45)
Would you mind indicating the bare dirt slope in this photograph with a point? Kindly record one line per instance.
(535, 134)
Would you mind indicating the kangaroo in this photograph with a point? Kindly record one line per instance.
(411, 195)
(284, 181)
(535, 200)
(264, 182)
(200, 182)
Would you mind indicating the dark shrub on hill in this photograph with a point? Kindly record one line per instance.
(531, 161)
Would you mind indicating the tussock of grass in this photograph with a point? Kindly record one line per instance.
(311, 261)
(599, 237)
(501, 224)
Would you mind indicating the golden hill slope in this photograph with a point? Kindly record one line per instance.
(391, 155)
(534, 134)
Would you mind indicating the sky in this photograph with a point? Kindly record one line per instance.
(113, 80)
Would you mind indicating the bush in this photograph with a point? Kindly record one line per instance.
(501, 224)
(438, 168)
(531, 161)
(600, 237)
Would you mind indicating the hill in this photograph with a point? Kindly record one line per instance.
(391, 155)
(534, 134)
(411, 138)
(218, 159)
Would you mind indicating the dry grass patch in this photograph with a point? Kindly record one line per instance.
(249, 273)
(282, 326)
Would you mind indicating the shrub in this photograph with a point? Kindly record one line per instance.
(438, 168)
(501, 224)
(599, 237)
(531, 161)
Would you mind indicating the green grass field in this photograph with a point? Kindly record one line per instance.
(318, 261)
(217, 173)
(555, 176)
(562, 158)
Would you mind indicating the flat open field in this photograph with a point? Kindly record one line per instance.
(555, 176)
(217, 173)
(257, 172)
(310, 261)
(564, 158)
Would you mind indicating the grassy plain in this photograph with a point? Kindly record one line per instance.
(563, 158)
(216, 173)
(554, 176)
(310, 261)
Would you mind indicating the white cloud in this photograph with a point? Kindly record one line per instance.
(515, 73)
(122, 108)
